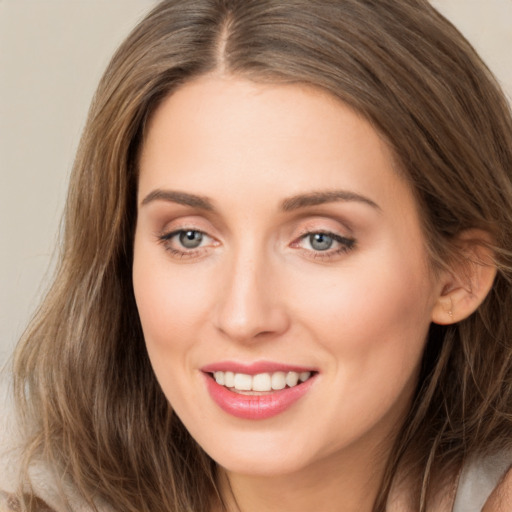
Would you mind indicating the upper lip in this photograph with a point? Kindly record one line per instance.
(254, 368)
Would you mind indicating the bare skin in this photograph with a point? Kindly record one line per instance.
(273, 226)
(357, 313)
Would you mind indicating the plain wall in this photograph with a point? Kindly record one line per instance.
(52, 54)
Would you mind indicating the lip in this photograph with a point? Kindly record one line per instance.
(255, 407)
(254, 368)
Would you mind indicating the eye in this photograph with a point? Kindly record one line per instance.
(184, 243)
(190, 239)
(325, 245)
(320, 241)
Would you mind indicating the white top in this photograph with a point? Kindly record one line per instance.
(477, 481)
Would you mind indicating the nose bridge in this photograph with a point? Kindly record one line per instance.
(249, 306)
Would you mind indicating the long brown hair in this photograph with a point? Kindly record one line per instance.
(82, 376)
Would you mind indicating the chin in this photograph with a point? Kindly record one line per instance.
(263, 467)
(270, 456)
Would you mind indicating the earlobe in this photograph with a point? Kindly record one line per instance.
(465, 286)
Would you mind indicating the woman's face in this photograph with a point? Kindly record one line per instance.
(275, 240)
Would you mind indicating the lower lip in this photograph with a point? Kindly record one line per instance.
(256, 407)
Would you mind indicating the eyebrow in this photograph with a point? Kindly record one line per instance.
(203, 203)
(329, 196)
(290, 204)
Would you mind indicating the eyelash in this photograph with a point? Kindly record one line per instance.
(345, 244)
(165, 239)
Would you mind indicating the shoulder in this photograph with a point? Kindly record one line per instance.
(500, 499)
(10, 453)
(485, 483)
(9, 503)
(49, 491)
(44, 493)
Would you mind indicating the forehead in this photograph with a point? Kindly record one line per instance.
(223, 134)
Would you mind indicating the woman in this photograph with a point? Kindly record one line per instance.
(286, 271)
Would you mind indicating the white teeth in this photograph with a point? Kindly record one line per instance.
(243, 382)
(229, 379)
(278, 380)
(304, 376)
(291, 379)
(261, 381)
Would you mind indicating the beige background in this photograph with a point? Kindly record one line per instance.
(52, 53)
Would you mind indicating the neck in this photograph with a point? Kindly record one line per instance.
(405, 493)
(349, 482)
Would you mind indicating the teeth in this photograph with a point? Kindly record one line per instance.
(229, 379)
(292, 378)
(243, 382)
(261, 381)
(278, 380)
(303, 376)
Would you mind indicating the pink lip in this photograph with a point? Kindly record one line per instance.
(255, 407)
(253, 368)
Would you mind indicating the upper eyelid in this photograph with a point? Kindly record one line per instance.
(323, 222)
(178, 225)
(342, 231)
(174, 232)
(167, 235)
(165, 219)
(333, 232)
(341, 239)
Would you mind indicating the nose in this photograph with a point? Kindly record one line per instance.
(250, 306)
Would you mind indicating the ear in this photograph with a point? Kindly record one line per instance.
(465, 285)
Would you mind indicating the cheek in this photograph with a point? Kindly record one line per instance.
(167, 306)
(167, 303)
(169, 297)
(372, 326)
(373, 314)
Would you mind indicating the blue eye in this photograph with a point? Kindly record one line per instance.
(190, 239)
(320, 241)
(324, 245)
(185, 243)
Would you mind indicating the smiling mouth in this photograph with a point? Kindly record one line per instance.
(260, 383)
(257, 391)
